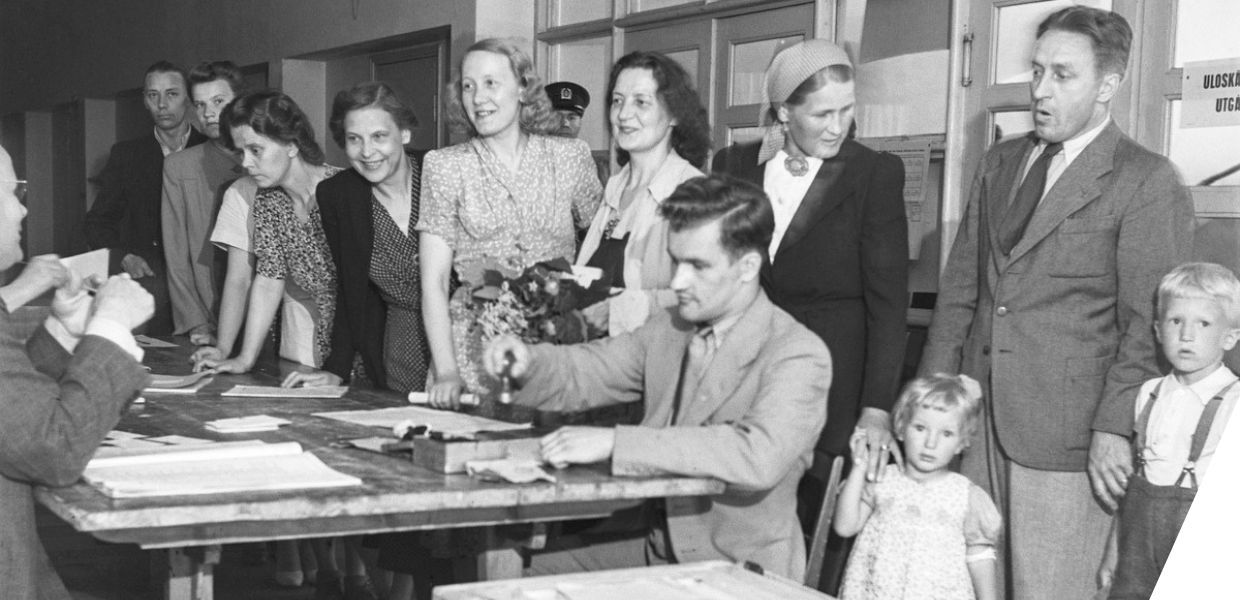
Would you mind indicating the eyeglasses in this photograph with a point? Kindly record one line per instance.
(19, 188)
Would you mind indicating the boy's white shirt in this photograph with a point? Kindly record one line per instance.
(1174, 419)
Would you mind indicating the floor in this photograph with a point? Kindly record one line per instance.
(94, 570)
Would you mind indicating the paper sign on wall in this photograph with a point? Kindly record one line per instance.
(1211, 93)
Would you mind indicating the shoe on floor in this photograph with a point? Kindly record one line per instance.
(328, 587)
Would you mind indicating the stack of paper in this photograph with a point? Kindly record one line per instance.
(444, 421)
(177, 384)
(246, 424)
(275, 391)
(213, 470)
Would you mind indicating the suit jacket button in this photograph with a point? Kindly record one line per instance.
(985, 350)
(1001, 311)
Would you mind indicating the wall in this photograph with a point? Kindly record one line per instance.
(53, 52)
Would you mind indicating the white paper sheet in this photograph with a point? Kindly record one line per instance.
(275, 391)
(438, 420)
(88, 264)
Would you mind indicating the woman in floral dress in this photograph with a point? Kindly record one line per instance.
(509, 196)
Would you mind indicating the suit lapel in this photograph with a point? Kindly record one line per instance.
(828, 190)
(1079, 185)
(1002, 188)
(729, 366)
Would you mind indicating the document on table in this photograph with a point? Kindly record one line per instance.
(177, 384)
(146, 341)
(445, 421)
(246, 424)
(198, 470)
(275, 391)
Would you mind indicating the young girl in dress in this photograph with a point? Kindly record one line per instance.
(926, 532)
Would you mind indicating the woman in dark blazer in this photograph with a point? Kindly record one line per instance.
(368, 216)
(839, 257)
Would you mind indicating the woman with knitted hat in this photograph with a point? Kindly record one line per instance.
(839, 256)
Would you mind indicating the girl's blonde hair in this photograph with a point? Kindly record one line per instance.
(941, 392)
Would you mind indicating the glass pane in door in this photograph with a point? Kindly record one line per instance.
(1008, 124)
(1199, 166)
(740, 135)
(568, 12)
(1016, 31)
(586, 62)
(1206, 30)
(748, 66)
(687, 59)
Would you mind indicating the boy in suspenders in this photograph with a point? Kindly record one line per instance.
(1180, 419)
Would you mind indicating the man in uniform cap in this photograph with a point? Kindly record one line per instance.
(570, 100)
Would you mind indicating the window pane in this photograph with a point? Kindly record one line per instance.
(687, 59)
(640, 5)
(586, 62)
(740, 135)
(568, 12)
(1196, 165)
(1013, 40)
(1206, 30)
(1011, 123)
(749, 62)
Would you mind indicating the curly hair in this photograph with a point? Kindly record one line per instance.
(274, 115)
(536, 115)
(372, 94)
(691, 134)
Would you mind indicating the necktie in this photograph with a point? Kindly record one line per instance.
(1027, 197)
(697, 357)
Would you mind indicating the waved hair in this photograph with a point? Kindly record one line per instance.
(535, 114)
(272, 114)
(813, 83)
(206, 72)
(691, 134)
(944, 393)
(746, 219)
(164, 66)
(372, 94)
(1202, 281)
(1108, 32)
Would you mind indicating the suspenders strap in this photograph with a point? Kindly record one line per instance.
(1204, 423)
(1143, 423)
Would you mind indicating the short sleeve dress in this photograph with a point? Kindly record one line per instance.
(296, 251)
(915, 542)
(491, 216)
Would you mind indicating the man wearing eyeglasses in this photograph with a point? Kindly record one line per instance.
(65, 376)
(125, 216)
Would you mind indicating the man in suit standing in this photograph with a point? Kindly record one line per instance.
(125, 216)
(1048, 296)
(193, 187)
(732, 386)
(65, 377)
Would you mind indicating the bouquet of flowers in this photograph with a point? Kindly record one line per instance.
(541, 304)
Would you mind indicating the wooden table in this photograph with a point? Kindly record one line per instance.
(396, 495)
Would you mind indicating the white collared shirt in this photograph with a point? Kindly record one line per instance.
(786, 192)
(180, 143)
(1059, 163)
(1173, 420)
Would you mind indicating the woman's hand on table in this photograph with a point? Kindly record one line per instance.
(202, 336)
(314, 379)
(446, 392)
(232, 365)
(202, 355)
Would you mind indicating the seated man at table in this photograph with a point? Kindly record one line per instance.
(64, 380)
(732, 387)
